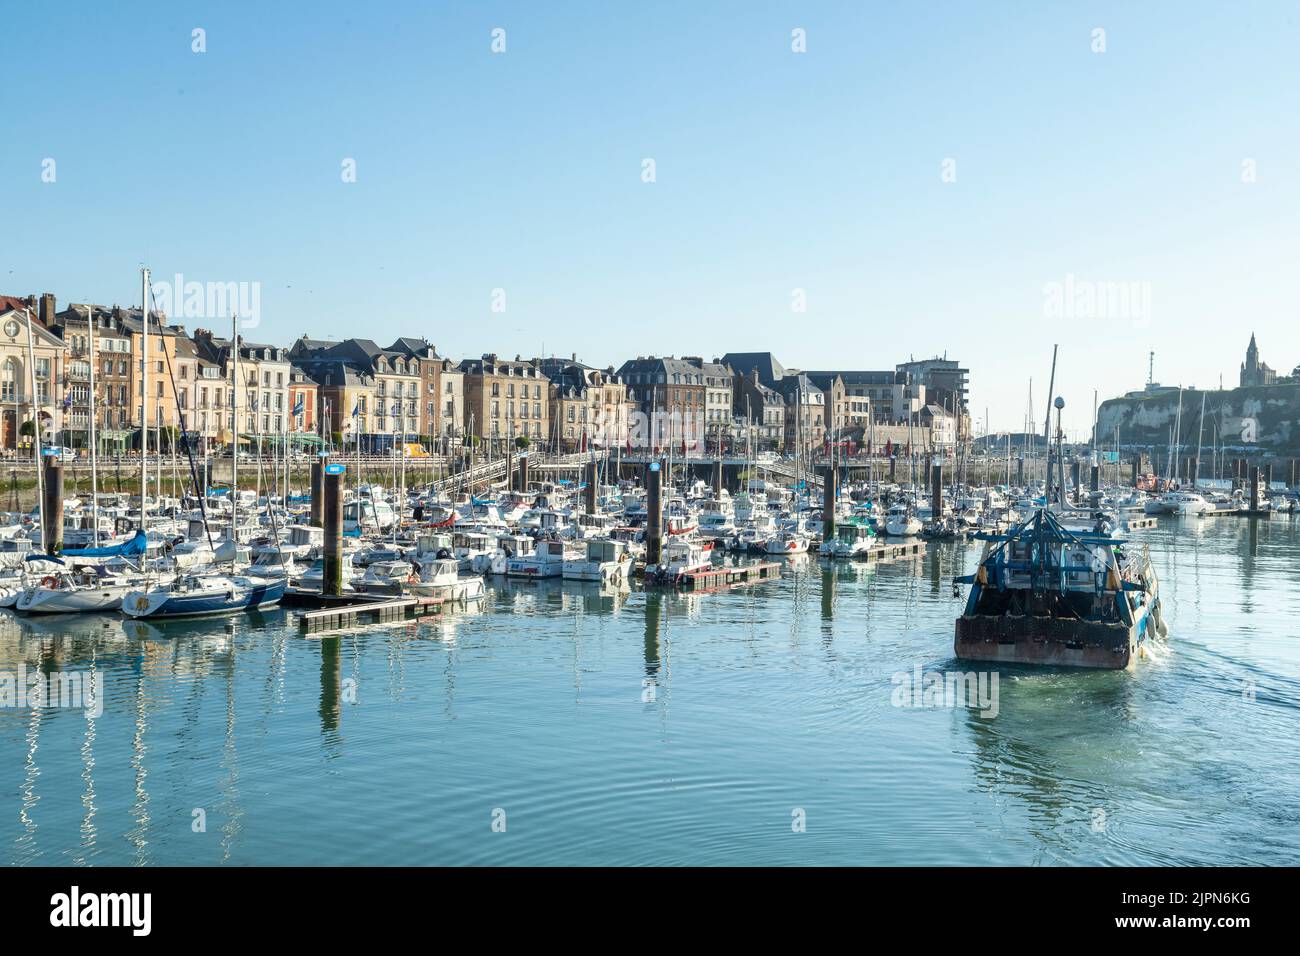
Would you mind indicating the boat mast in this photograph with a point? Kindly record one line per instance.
(234, 455)
(144, 394)
(1200, 437)
(36, 418)
(94, 448)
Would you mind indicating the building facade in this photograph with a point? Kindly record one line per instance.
(505, 401)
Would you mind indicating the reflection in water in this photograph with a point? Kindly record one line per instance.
(1188, 759)
(331, 682)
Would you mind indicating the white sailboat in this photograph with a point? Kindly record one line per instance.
(206, 593)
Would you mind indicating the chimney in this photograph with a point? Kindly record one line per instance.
(46, 313)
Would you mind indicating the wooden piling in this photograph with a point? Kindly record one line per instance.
(828, 502)
(332, 520)
(654, 528)
(317, 469)
(52, 505)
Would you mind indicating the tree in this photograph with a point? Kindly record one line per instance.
(27, 429)
(522, 442)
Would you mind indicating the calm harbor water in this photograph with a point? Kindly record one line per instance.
(649, 728)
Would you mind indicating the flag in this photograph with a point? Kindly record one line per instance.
(67, 400)
(356, 409)
(584, 439)
(889, 448)
(298, 405)
(629, 443)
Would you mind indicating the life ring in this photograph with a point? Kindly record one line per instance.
(49, 581)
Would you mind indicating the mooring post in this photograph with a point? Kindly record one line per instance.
(936, 490)
(590, 491)
(1253, 479)
(523, 474)
(1020, 471)
(1094, 479)
(317, 469)
(829, 486)
(654, 527)
(893, 464)
(1075, 477)
(332, 519)
(52, 505)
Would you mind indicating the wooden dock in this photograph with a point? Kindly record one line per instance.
(362, 612)
(719, 578)
(891, 551)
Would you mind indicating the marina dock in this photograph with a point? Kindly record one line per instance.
(892, 551)
(716, 579)
(362, 612)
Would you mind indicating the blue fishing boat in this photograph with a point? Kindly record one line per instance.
(1046, 594)
(196, 595)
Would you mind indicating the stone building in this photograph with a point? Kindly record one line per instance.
(17, 373)
(505, 400)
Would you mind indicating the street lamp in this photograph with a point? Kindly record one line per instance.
(1060, 457)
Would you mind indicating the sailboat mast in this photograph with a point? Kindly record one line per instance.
(36, 419)
(94, 445)
(234, 455)
(144, 393)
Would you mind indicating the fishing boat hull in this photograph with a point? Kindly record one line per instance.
(1048, 641)
(1047, 595)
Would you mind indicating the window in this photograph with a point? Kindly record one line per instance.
(43, 368)
(185, 372)
(9, 380)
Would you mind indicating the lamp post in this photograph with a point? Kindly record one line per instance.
(1060, 457)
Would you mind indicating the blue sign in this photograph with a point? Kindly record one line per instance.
(323, 454)
(654, 466)
(335, 469)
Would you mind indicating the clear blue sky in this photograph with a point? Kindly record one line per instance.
(775, 171)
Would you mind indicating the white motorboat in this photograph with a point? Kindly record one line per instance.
(441, 578)
(606, 561)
